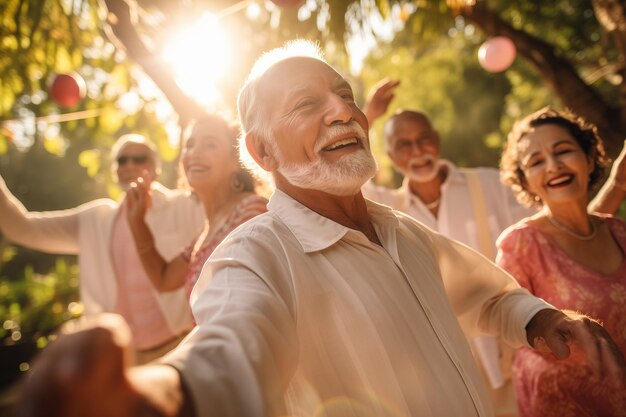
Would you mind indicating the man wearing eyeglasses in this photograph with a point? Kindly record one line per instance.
(111, 274)
(435, 191)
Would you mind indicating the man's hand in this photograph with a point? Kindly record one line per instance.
(557, 332)
(83, 373)
(378, 102)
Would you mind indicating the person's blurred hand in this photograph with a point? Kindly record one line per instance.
(379, 100)
(557, 332)
(83, 373)
(618, 170)
(138, 199)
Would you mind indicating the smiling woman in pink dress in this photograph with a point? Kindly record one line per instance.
(210, 160)
(565, 255)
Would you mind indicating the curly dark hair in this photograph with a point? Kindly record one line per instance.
(585, 134)
(233, 129)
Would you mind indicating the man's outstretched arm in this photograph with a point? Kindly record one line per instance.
(48, 231)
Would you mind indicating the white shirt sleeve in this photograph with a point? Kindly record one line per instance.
(485, 298)
(241, 357)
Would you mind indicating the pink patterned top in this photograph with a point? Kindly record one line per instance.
(567, 388)
(197, 253)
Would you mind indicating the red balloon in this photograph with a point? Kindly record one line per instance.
(497, 54)
(67, 89)
(287, 3)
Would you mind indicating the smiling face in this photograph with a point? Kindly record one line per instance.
(319, 138)
(132, 161)
(413, 146)
(555, 167)
(208, 157)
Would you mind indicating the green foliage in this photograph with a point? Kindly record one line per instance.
(37, 304)
(42, 38)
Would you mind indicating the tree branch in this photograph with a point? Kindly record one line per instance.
(612, 16)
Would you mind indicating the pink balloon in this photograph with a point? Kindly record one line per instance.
(497, 54)
(287, 3)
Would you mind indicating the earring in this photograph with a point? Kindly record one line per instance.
(236, 184)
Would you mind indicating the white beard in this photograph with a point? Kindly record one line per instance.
(423, 176)
(342, 178)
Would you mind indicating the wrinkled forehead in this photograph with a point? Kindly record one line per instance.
(297, 73)
(407, 124)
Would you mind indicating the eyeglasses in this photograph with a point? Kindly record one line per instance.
(406, 146)
(135, 159)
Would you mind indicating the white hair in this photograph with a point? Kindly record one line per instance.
(251, 112)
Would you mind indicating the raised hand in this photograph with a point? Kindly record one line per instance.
(618, 170)
(559, 332)
(138, 199)
(379, 100)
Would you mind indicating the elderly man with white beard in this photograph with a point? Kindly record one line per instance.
(328, 304)
(469, 205)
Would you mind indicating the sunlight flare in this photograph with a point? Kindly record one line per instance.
(199, 69)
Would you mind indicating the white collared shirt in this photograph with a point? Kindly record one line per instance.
(297, 313)
(455, 218)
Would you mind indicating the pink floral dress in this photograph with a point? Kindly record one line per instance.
(197, 253)
(544, 386)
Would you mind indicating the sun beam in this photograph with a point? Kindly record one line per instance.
(200, 58)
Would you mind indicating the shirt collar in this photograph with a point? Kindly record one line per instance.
(454, 177)
(315, 232)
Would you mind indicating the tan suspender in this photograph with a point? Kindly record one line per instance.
(480, 213)
(400, 200)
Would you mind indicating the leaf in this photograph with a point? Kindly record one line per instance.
(7, 254)
(4, 146)
(55, 145)
(111, 119)
(90, 159)
(63, 63)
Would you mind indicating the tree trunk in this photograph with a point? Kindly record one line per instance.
(612, 16)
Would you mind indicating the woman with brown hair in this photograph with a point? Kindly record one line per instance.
(569, 257)
(210, 161)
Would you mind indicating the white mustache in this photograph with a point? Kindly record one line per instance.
(334, 131)
(420, 160)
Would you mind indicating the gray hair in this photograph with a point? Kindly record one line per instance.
(252, 113)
